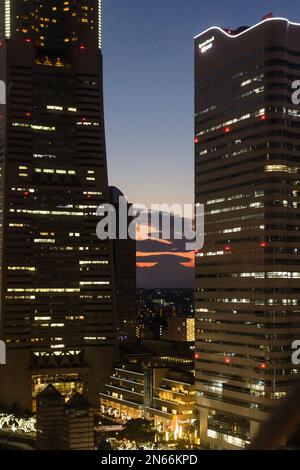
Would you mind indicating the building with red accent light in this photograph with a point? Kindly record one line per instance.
(57, 306)
(247, 276)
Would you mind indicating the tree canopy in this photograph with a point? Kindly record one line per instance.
(138, 430)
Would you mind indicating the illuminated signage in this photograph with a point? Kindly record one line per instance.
(206, 45)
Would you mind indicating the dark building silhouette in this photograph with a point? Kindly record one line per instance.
(49, 414)
(124, 256)
(57, 307)
(64, 426)
(247, 275)
(78, 424)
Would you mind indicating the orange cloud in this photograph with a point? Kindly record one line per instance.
(188, 264)
(146, 265)
(180, 254)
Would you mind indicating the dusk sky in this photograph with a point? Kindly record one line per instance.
(148, 70)
(149, 99)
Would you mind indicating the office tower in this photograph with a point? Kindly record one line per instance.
(78, 424)
(57, 308)
(49, 418)
(247, 276)
(181, 329)
(124, 261)
(64, 426)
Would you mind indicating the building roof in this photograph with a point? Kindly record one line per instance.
(78, 401)
(49, 391)
(244, 29)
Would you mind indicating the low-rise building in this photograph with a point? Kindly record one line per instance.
(160, 388)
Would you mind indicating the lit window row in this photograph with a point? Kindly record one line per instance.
(281, 168)
(21, 268)
(254, 205)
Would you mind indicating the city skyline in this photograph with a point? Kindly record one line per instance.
(166, 321)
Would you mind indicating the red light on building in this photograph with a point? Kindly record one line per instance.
(267, 16)
(196, 140)
(26, 193)
(263, 117)
(263, 245)
(82, 47)
(227, 130)
(28, 40)
(263, 366)
(227, 360)
(197, 356)
(28, 114)
(227, 248)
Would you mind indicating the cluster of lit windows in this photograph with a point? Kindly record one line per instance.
(281, 168)
(258, 78)
(87, 123)
(35, 127)
(268, 275)
(239, 218)
(12, 225)
(20, 297)
(54, 290)
(55, 170)
(54, 107)
(42, 155)
(211, 253)
(235, 196)
(89, 263)
(254, 205)
(236, 229)
(29, 190)
(92, 193)
(291, 302)
(51, 107)
(94, 283)
(21, 268)
(42, 212)
(95, 338)
(227, 438)
(225, 125)
(75, 318)
(51, 62)
(44, 240)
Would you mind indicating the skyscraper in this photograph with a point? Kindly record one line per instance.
(124, 260)
(57, 306)
(247, 276)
